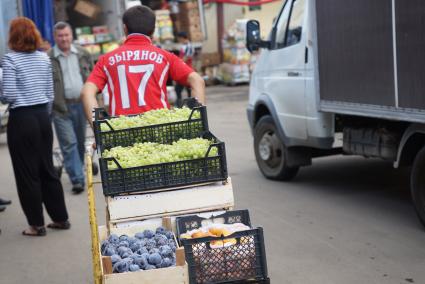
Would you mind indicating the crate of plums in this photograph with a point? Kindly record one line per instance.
(150, 255)
(223, 249)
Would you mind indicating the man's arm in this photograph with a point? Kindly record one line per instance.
(197, 84)
(88, 97)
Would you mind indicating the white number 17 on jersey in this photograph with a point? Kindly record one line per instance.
(147, 69)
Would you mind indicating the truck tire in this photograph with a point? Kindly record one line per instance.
(270, 151)
(417, 185)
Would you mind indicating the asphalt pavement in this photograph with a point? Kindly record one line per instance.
(342, 220)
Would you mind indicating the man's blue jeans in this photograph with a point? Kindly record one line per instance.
(71, 133)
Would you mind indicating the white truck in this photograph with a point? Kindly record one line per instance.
(333, 67)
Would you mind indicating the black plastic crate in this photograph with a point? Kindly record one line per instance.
(243, 262)
(160, 133)
(165, 175)
(192, 222)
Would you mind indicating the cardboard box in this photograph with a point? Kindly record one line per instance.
(189, 13)
(210, 59)
(184, 6)
(195, 20)
(87, 8)
(196, 36)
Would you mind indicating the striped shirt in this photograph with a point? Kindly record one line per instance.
(27, 79)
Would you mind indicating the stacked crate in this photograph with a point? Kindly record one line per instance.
(189, 20)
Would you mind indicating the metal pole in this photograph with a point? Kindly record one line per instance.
(97, 273)
(220, 28)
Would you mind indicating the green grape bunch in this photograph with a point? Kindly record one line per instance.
(152, 117)
(148, 153)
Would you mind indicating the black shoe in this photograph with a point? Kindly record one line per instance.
(5, 202)
(2, 208)
(78, 188)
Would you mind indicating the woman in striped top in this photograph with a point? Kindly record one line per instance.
(28, 89)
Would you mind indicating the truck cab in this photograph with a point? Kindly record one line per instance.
(324, 85)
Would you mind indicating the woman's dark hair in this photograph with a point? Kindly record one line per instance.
(139, 19)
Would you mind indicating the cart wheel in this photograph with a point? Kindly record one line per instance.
(58, 170)
(95, 169)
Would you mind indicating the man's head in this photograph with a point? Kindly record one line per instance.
(182, 37)
(139, 19)
(63, 36)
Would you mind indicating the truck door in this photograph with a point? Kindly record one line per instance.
(284, 76)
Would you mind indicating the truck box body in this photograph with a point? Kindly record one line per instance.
(371, 58)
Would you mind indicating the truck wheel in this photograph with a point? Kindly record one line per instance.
(270, 152)
(417, 185)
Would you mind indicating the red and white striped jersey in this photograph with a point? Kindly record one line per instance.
(136, 75)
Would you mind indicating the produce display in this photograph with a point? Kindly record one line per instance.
(164, 26)
(143, 154)
(235, 68)
(153, 117)
(145, 251)
(216, 230)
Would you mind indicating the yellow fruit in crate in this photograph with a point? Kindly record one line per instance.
(226, 232)
(215, 231)
(230, 242)
(185, 236)
(218, 232)
(200, 234)
(217, 243)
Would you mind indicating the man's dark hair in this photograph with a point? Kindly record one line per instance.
(139, 19)
(183, 35)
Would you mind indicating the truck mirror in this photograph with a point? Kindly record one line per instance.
(253, 36)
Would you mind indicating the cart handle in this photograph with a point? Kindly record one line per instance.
(98, 112)
(107, 123)
(113, 160)
(216, 145)
(198, 108)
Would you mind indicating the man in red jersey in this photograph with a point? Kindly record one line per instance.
(136, 73)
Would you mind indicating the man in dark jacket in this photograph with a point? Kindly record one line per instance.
(71, 66)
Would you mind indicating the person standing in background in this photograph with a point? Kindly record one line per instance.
(71, 66)
(186, 54)
(28, 89)
(3, 202)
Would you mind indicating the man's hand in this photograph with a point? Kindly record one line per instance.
(197, 84)
(88, 97)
